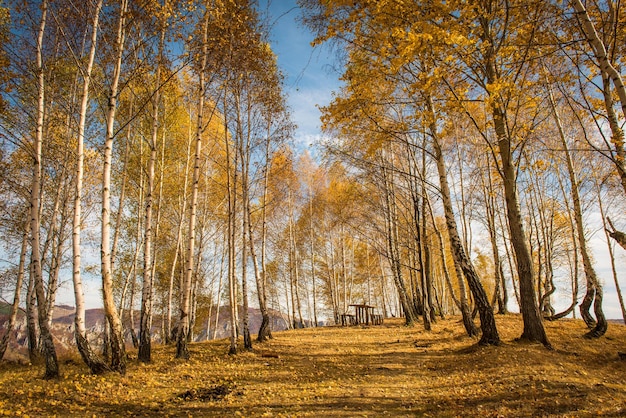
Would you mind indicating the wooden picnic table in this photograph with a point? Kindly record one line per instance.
(363, 314)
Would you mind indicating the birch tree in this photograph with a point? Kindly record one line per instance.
(47, 344)
(95, 364)
(594, 289)
(603, 48)
(118, 349)
(182, 350)
(144, 353)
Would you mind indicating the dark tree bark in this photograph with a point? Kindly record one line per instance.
(94, 362)
(533, 326)
(487, 321)
(618, 236)
(31, 320)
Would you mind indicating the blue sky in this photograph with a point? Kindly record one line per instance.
(309, 78)
(309, 82)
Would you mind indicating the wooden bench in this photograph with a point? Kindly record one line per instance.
(363, 315)
(348, 319)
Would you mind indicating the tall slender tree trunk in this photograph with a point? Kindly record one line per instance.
(265, 331)
(122, 197)
(219, 293)
(594, 288)
(420, 298)
(312, 244)
(296, 308)
(428, 276)
(231, 191)
(55, 269)
(95, 364)
(500, 293)
(344, 279)
(31, 315)
(247, 340)
(383, 285)
(179, 239)
(296, 266)
(262, 298)
(118, 348)
(410, 314)
(332, 288)
(573, 264)
(157, 222)
(244, 156)
(446, 271)
(54, 244)
(195, 282)
(131, 279)
(533, 325)
(144, 352)
(182, 350)
(620, 298)
(487, 321)
(609, 74)
(292, 268)
(47, 345)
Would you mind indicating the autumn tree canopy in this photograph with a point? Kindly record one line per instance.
(472, 152)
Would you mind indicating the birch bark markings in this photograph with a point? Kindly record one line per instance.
(594, 288)
(144, 353)
(391, 229)
(118, 349)
(95, 364)
(47, 345)
(265, 331)
(608, 72)
(487, 321)
(182, 350)
(533, 325)
(179, 236)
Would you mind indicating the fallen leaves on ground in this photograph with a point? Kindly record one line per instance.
(388, 370)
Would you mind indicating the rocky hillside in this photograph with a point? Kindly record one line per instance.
(63, 327)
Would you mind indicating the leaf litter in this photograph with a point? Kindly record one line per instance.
(388, 370)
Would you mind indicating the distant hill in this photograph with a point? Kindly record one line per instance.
(63, 327)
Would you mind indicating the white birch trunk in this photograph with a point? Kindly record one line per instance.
(182, 350)
(80, 331)
(144, 353)
(48, 350)
(118, 349)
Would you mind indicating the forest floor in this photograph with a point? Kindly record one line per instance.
(388, 370)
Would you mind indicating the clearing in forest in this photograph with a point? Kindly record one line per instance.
(387, 370)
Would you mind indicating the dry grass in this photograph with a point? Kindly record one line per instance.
(388, 370)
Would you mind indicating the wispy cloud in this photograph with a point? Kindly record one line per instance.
(310, 78)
